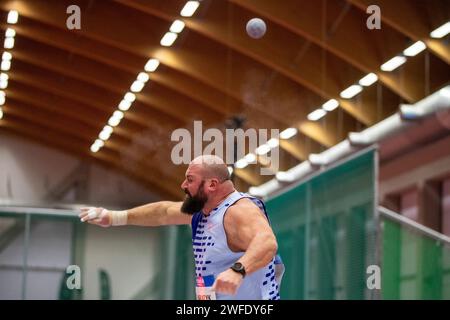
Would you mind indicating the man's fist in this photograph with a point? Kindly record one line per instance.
(98, 216)
(227, 282)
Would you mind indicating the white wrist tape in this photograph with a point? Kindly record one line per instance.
(119, 218)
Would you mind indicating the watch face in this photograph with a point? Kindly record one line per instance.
(238, 266)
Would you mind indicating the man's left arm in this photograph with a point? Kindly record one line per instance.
(247, 230)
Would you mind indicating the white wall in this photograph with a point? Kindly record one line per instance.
(127, 254)
(49, 254)
(28, 171)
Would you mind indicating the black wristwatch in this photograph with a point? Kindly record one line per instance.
(239, 268)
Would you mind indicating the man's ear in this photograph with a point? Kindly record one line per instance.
(214, 183)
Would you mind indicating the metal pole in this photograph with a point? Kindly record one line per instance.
(25, 255)
(414, 225)
(377, 222)
(172, 259)
(307, 236)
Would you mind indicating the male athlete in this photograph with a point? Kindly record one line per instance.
(233, 243)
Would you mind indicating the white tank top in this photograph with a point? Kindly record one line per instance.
(213, 256)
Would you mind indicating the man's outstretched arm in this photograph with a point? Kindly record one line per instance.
(151, 215)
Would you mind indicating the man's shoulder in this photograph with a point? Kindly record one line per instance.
(242, 206)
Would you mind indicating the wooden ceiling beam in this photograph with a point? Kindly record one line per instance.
(98, 76)
(216, 30)
(181, 62)
(415, 19)
(50, 13)
(80, 132)
(260, 108)
(97, 98)
(48, 16)
(58, 120)
(209, 97)
(76, 111)
(29, 28)
(350, 41)
(112, 57)
(43, 101)
(274, 56)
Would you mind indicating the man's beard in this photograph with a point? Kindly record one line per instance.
(193, 204)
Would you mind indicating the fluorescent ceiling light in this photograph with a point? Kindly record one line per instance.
(13, 16)
(4, 76)
(2, 98)
(137, 86)
(288, 133)
(445, 92)
(393, 64)
(95, 148)
(273, 143)
(189, 8)
(9, 43)
(316, 114)
(124, 105)
(168, 39)
(113, 121)
(10, 33)
(415, 49)
(263, 149)
(107, 129)
(99, 142)
(3, 83)
(177, 26)
(118, 114)
(351, 91)
(6, 56)
(130, 97)
(330, 105)
(143, 77)
(1, 113)
(6, 64)
(250, 158)
(97, 145)
(104, 135)
(151, 65)
(368, 80)
(441, 32)
(241, 164)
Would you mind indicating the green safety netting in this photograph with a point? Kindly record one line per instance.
(414, 265)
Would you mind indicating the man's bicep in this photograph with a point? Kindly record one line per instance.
(245, 223)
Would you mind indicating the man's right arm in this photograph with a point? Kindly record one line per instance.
(158, 214)
(151, 215)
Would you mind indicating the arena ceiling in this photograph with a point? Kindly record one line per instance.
(64, 85)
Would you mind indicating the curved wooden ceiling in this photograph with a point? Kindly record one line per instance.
(65, 84)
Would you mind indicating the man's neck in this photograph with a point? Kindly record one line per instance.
(208, 207)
